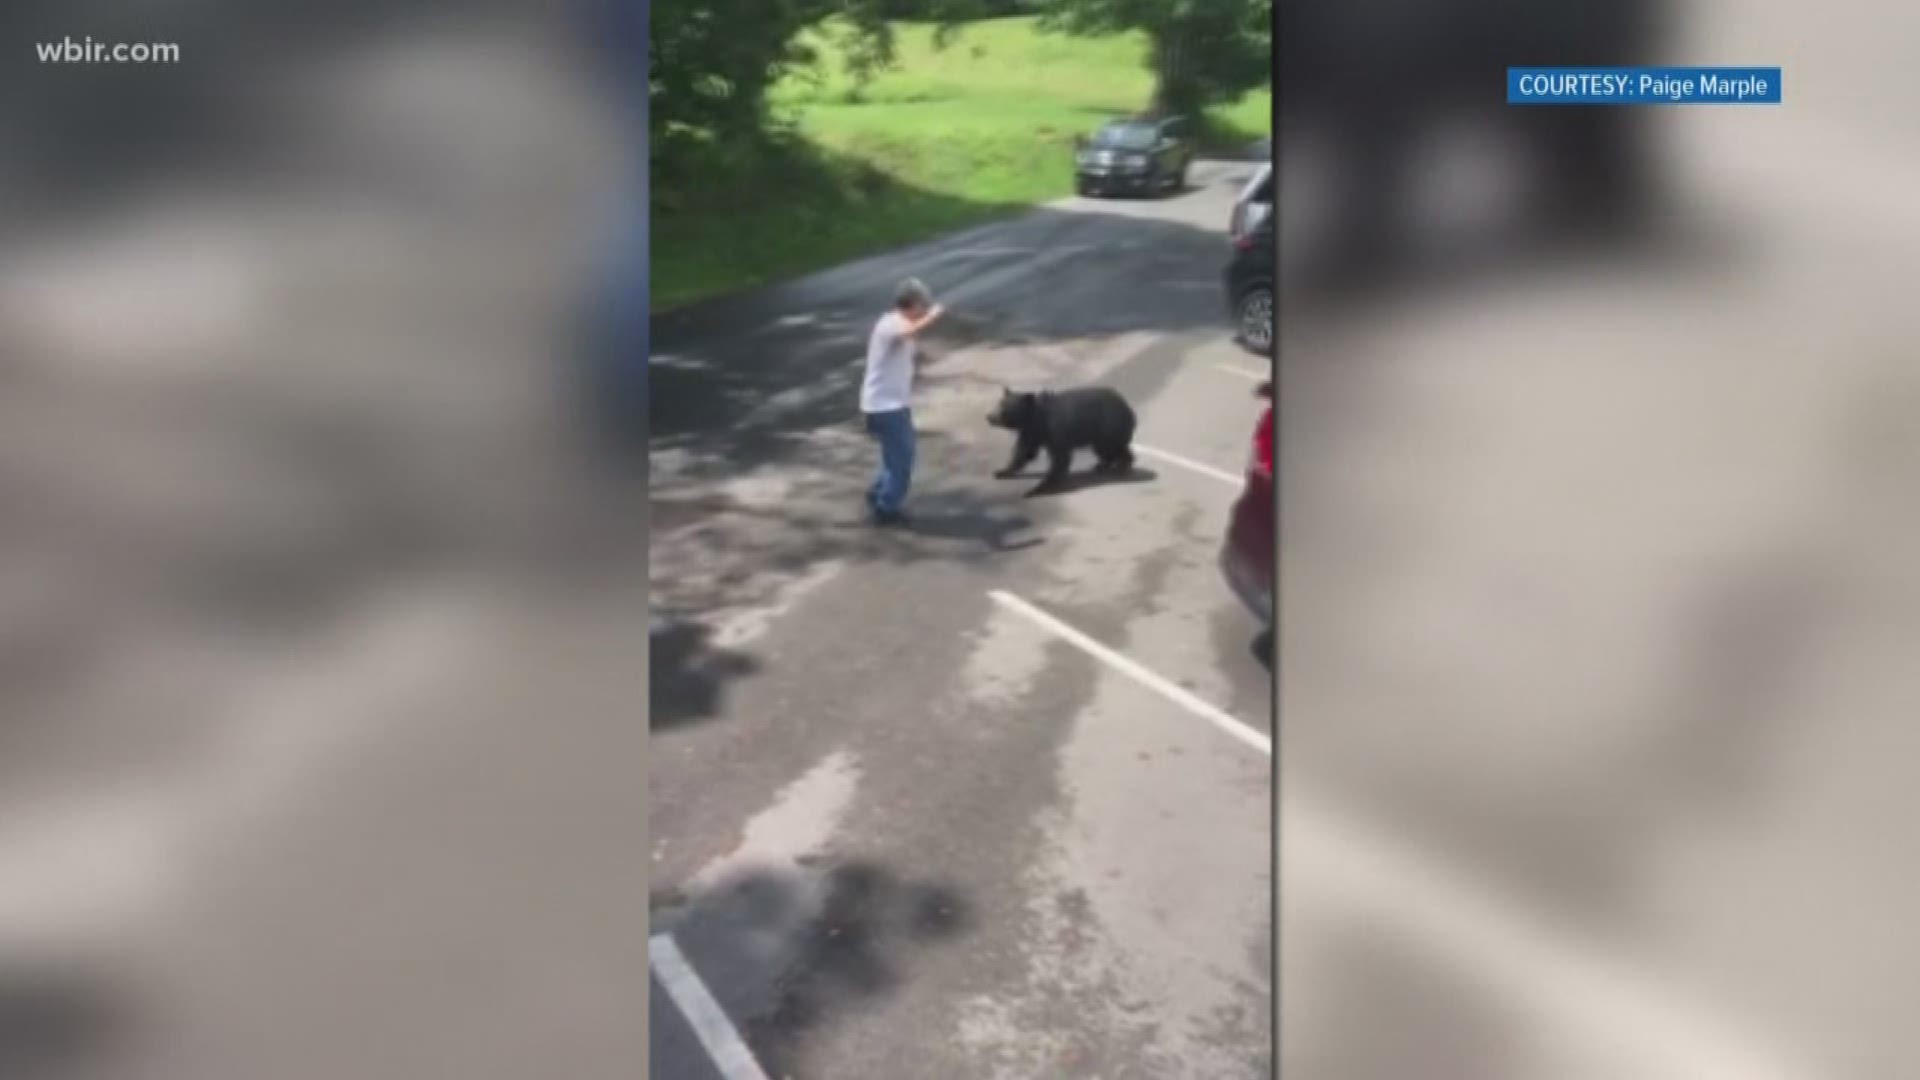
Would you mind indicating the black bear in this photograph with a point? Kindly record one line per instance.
(1062, 421)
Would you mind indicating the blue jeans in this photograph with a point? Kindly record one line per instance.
(894, 430)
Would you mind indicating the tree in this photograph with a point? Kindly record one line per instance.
(1202, 51)
(948, 12)
(711, 62)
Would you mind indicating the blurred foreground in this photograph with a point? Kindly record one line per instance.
(1600, 577)
(319, 698)
(318, 668)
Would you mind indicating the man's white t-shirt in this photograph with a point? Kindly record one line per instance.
(889, 381)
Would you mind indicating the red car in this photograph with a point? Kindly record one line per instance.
(1247, 557)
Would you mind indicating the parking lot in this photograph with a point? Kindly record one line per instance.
(989, 794)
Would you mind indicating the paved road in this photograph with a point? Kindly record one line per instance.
(899, 826)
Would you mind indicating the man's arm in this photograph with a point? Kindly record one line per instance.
(913, 327)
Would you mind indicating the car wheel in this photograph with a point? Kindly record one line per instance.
(1253, 317)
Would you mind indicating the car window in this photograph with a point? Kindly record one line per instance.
(1125, 137)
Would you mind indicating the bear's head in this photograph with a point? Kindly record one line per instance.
(1016, 411)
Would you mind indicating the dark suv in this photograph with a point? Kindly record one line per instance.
(1249, 280)
(1133, 156)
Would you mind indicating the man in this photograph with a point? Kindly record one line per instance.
(885, 397)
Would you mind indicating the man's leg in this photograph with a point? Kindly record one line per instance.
(896, 459)
(903, 468)
(876, 428)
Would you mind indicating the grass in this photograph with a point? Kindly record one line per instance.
(948, 137)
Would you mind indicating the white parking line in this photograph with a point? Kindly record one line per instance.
(1564, 980)
(1466, 925)
(716, 1033)
(1245, 373)
(95, 866)
(1221, 475)
(1239, 729)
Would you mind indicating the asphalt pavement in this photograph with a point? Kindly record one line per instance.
(988, 796)
(1595, 644)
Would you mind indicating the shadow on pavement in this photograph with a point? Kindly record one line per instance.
(1085, 477)
(750, 376)
(820, 517)
(770, 376)
(54, 1025)
(789, 951)
(995, 532)
(687, 675)
(1383, 1011)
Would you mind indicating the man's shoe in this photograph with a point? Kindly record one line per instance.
(891, 519)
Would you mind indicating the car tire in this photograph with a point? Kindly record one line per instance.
(1253, 319)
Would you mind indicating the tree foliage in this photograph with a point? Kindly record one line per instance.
(712, 62)
(925, 10)
(1203, 51)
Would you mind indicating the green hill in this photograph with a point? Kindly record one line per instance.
(947, 137)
